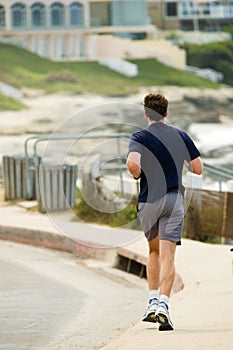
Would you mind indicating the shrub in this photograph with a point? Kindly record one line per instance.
(65, 76)
(121, 218)
(216, 55)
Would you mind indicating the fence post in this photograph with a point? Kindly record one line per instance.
(193, 202)
(227, 227)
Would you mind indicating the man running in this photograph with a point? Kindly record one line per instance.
(157, 155)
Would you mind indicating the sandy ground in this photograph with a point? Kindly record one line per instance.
(45, 112)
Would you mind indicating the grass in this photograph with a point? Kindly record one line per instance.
(8, 103)
(22, 68)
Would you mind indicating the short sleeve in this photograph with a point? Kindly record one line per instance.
(191, 150)
(135, 143)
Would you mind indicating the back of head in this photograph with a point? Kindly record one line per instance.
(155, 106)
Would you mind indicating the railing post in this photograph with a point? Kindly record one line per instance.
(119, 162)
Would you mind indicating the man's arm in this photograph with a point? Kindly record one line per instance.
(134, 164)
(195, 166)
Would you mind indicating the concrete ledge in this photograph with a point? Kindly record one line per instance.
(135, 255)
(140, 258)
(53, 241)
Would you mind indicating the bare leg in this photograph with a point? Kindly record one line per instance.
(153, 264)
(152, 270)
(167, 267)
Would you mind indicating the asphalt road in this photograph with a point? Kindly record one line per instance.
(51, 300)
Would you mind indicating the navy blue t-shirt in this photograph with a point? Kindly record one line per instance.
(163, 150)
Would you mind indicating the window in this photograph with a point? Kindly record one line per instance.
(206, 9)
(38, 15)
(18, 15)
(57, 14)
(171, 9)
(76, 14)
(2, 16)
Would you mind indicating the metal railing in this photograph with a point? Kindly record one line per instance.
(213, 11)
(221, 173)
(63, 137)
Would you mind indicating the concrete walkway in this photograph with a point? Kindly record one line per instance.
(202, 312)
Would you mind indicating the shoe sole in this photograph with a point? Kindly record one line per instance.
(165, 327)
(150, 318)
(163, 321)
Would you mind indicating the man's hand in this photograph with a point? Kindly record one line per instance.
(133, 164)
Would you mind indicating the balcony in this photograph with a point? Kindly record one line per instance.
(204, 11)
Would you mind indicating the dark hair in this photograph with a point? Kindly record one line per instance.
(155, 106)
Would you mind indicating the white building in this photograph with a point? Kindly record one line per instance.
(67, 29)
(206, 15)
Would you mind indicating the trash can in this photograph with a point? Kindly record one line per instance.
(19, 177)
(56, 187)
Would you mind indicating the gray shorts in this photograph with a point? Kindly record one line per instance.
(163, 218)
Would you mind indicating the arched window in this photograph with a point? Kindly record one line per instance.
(57, 14)
(18, 15)
(2, 16)
(38, 15)
(76, 14)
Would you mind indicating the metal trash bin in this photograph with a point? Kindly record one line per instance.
(18, 175)
(56, 187)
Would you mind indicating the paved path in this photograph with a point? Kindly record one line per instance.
(202, 312)
(50, 300)
(34, 307)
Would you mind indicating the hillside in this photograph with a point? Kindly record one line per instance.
(21, 68)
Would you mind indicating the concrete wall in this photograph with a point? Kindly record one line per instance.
(171, 24)
(164, 51)
(99, 13)
(155, 11)
(10, 91)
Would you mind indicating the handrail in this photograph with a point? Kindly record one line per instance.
(221, 172)
(218, 170)
(49, 137)
(77, 137)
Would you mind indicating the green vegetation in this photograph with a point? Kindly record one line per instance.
(121, 218)
(8, 103)
(215, 55)
(22, 68)
(229, 29)
(154, 73)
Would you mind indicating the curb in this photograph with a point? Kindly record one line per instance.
(52, 240)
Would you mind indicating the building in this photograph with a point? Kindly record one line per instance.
(204, 15)
(74, 29)
(68, 29)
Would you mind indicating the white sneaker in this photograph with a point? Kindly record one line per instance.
(151, 310)
(163, 318)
